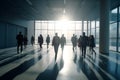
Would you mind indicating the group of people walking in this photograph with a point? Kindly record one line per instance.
(83, 41)
(22, 40)
(56, 41)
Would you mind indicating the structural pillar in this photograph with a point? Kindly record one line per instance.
(82, 26)
(90, 27)
(87, 28)
(104, 26)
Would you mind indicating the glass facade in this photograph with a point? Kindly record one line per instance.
(113, 36)
(115, 29)
(68, 28)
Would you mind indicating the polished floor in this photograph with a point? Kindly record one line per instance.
(36, 64)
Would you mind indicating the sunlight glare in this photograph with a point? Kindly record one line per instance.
(63, 24)
(64, 18)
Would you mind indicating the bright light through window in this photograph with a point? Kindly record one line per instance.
(63, 26)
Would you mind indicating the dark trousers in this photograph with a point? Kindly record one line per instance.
(21, 46)
(56, 51)
(47, 45)
(40, 45)
(62, 46)
(83, 51)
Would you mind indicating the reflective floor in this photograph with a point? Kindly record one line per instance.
(36, 64)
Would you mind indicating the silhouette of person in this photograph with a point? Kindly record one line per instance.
(32, 40)
(74, 41)
(79, 43)
(62, 41)
(40, 40)
(25, 40)
(92, 44)
(84, 41)
(19, 38)
(55, 43)
(48, 41)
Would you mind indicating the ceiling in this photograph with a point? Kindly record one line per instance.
(52, 9)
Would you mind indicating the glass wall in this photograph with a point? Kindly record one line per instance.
(68, 28)
(113, 36)
(93, 28)
(119, 30)
(115, 29)
(97, 32)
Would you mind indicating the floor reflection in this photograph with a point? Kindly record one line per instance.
(52, 71)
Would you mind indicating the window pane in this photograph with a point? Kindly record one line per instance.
(78, 25)
(51, 25)
(44, 25)
(97, 24)
(93, 32)
(85, 26)
(119, 13)
(113, 36)
(97, 37)
(37, 25)
(119, 37)
(93, 24)
(113, 15)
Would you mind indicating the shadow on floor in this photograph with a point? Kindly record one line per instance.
(51, 72)
(20, 69)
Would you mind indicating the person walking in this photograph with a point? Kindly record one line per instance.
(74, 41)
(48, 41)
(32, 40)
(62, 41)
(79, 43)
(55, 43)
(40, 40)
(92, 44)
(84, 41)
(19, 39)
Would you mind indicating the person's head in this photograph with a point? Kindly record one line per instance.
(92, 36)
(73, 34)
(56, 34)
(83, 33)
(62, 35)
(80, 36)
(40, 35)
(20, 32)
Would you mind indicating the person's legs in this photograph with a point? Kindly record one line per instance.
(55, 49)
(18, 48)
(73, 48)
(84, 51)
(40, 45)
(21, 47)
(47, 45)
(94, 51)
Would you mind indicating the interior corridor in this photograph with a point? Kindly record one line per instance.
(36, 64)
